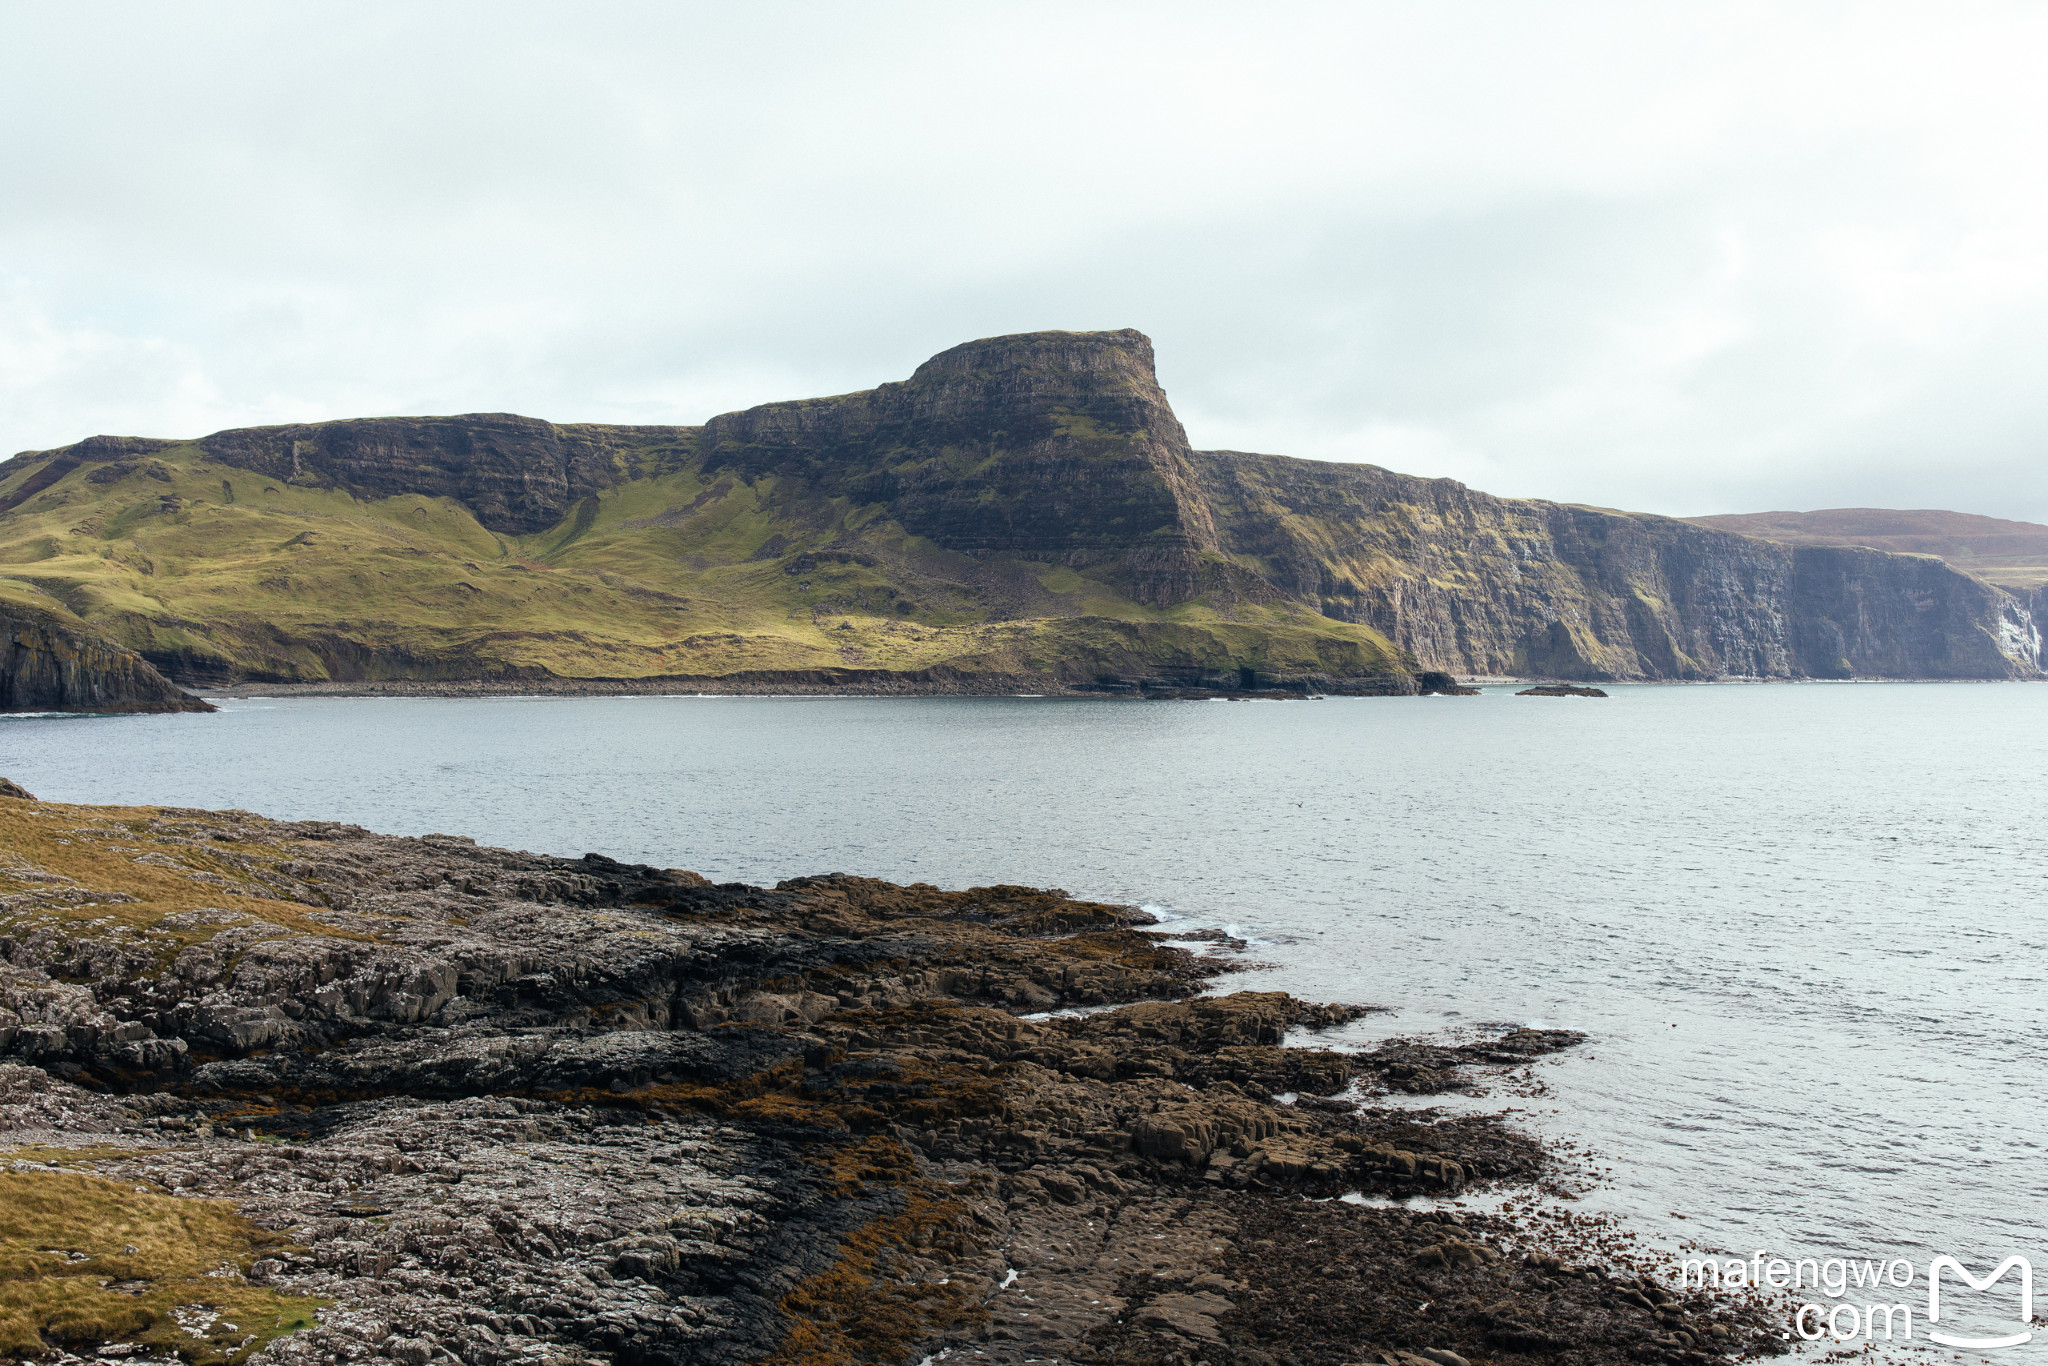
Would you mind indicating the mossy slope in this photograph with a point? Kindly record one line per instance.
(218, 573)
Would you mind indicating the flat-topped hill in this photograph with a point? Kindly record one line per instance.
(2011, 554)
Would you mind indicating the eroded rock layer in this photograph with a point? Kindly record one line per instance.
(1471, 583)
(519, 474)
(50, 664)
(1022, 513)
(451, 1103)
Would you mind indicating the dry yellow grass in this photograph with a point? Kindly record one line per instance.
(85, 1260)
(130, 867)
(68, 1239)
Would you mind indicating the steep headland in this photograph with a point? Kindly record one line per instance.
(1467, 582)
(1021, 512)
(50, 662)
(296, 1092)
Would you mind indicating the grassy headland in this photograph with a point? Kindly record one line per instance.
(217, 572)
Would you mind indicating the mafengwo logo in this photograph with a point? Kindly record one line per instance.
(2026, 1314)
(1846, 1319)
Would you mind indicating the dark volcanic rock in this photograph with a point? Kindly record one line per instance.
(1434, 681)
(501, 1107)
(1560, 690)
(1471, 583)
(47, 664)
(9, 788)
(518, 474)
(1052, 446)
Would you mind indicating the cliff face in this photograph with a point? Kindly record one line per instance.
(1468, 582)
(518, 474)
(47, 665)
(1868, 613)
(1021, 510)
(1054, 446)
(1062, 447)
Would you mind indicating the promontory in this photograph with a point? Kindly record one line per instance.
(1022, 513)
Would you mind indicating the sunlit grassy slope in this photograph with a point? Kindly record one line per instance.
(215, 572)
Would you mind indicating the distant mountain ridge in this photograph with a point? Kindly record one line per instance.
(1021, 512)
(2013, 555)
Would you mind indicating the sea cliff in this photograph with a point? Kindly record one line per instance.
(1470, 583)
(1022, 512)
(49, 663)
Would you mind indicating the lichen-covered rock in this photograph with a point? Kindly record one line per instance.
(495, 1107)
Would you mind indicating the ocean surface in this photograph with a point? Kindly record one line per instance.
(1803, 924)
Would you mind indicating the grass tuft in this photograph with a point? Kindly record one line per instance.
(85, 1260)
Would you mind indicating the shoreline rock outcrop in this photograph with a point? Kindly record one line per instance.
(482, 1106)
(49, 664)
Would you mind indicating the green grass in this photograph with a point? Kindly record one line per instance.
(66, 1240)
(679, 573)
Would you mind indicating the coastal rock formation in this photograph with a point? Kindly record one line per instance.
(1470, 583)
(2013, 555)
(517, 474)
(1052, 446)
(1023, 513)
(439, 1102)
(1435, 681)
(50, 664)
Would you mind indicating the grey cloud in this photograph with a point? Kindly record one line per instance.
(1684, 261)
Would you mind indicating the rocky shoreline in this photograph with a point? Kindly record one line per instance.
(443, 1102)
(859, 683)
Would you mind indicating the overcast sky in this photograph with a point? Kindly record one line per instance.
(1683, 258)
